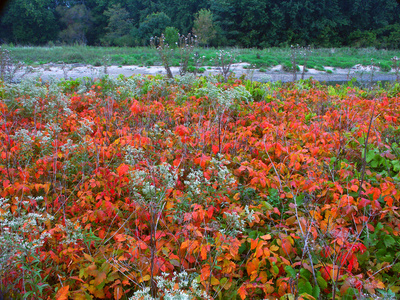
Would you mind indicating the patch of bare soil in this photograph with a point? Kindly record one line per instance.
(276, 73)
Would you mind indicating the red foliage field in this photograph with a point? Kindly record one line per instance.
(111, 189)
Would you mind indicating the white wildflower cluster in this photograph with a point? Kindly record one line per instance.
(58, 105)
(226, 98)
(241, 94)
(86, 126)
(73, 232)
(29, 91)
(223, 54)
(229, 97)
(157, 132)
(130, 87)
(69, 145)
(197, 184)
(249, 214)
(154, 181)
(56, 101)
(26, 138)
(211, 91)
(15, 227)
(134, 155)
(223, 176)
(234, 224)
(188, 289)
(143, 294)
(188, 79)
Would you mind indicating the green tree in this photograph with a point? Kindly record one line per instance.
(204, 26)
(226, 20)
(77, 20)
(30, 22)
(153, 25)
(171, 36)
(119, 27)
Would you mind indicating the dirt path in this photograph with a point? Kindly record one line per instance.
(49, 71)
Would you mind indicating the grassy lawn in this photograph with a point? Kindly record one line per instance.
(260, 58)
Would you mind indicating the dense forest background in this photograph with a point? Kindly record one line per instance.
(243, 23)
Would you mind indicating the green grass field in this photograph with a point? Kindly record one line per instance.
(259, 58)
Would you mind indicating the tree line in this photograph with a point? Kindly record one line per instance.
(243, 23)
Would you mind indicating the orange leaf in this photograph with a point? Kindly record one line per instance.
(242, 292)
(100, 278)
(263, 182)
(203, 253)
(354, 188)
(266, 237)
(62, 293)
(184, 245)
(118, 292)
(251, 267)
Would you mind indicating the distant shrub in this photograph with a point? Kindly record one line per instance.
(73, 58)
(193, 69)
(385, 67)
(287, 67)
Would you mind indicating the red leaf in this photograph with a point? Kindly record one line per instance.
(215, 149)
(122, 169)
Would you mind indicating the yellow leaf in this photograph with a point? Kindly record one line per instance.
(274, 248)
(146, 277)
(214, 281)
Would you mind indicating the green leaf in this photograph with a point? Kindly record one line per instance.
(396, 268)
(370, 155)
(267, 205)
(388, 241)
(379, 226)
(351, 292)
(396, 165)
(253, 235)
(316, 292)
(321, 282)
(276, 269)
(305, 274)
(305, 287)
(292, 272)
(242, 248)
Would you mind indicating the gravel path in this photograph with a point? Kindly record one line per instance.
(49, 71)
